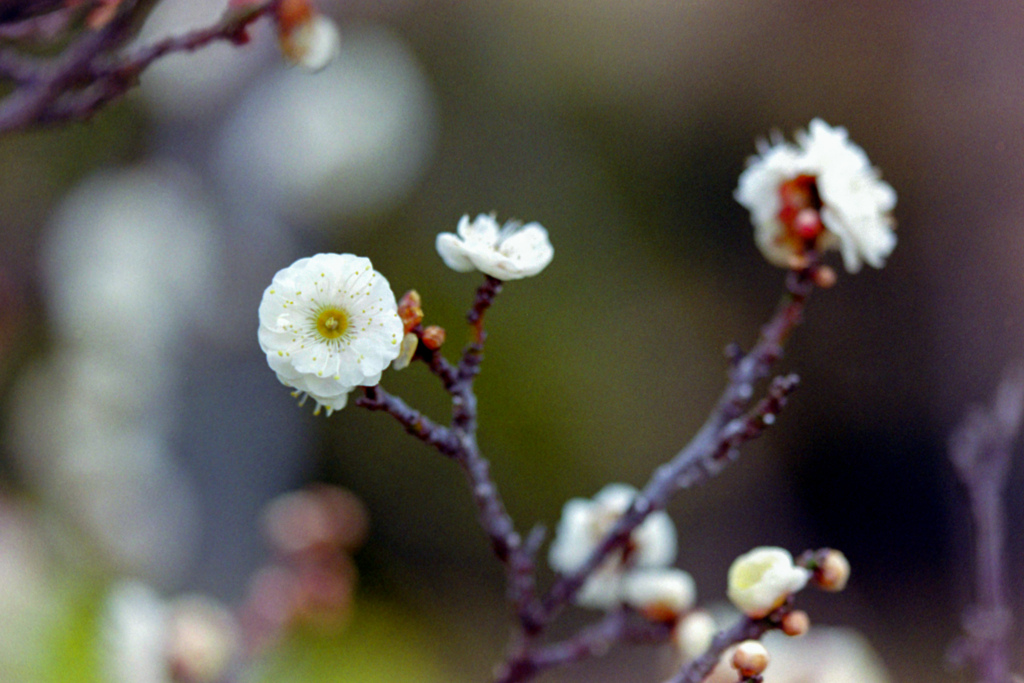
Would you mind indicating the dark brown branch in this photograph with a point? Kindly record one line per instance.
(619, 626)
(91, 72)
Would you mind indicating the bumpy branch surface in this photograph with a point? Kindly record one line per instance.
(980, 451)
(93, 68)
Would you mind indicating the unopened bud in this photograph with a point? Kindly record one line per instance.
(824, 277)
(750, 658)
(202, 640)
(796, 623)
(693, 635)
(433, 337)
(410, 309)
(406, 351)
(307, 38)
(832, 572)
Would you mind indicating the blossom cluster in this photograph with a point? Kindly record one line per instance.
(641, 575)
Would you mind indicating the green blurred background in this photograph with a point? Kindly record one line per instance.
(621, 126)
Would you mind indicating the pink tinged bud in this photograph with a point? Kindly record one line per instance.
(750, 658)
(410, 309)
(796, 623)
(832, 572)
(433, 337)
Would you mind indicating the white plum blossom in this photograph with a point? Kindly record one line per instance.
(509, 252)
(821, 193)
(328, 324)
(583, 525)
(763, 579)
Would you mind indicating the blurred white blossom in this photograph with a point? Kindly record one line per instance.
(192, 86)
(328, 324)
(128, 260)
(509, 252)
(821, 193)
(349, 142)
(149, 640)
(662, 593)
(584, 524)
(762, 579)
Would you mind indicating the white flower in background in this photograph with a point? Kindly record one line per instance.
(149, 640)
(351, 142)
(584, 524)
(328, 324)
(134, 628)
(128, 262)
(821, 193)
(762, 579)
(692, 636)
(661, 594)
(510, 252)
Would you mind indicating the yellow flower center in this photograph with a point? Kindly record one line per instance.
(332, 323)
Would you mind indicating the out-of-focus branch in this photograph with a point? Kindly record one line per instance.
(619, 626)
(980, 451)
(92, 69)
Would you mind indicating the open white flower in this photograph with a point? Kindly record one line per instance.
(762, 579)
(328, 324)
(510, 252)
(821, 193)
(584, 524)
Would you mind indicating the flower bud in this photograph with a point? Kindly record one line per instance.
(433, 337)
(307, 38)
(410, 309)
(405, 354)
(796, 623)
(693, 635)
(832, 572)
(202, 640)
(750, 658)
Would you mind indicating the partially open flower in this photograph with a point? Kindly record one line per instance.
(510, 252)
(763, 579)
(819, 194)
(328, 324)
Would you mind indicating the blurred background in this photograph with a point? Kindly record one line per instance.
(143, 435)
